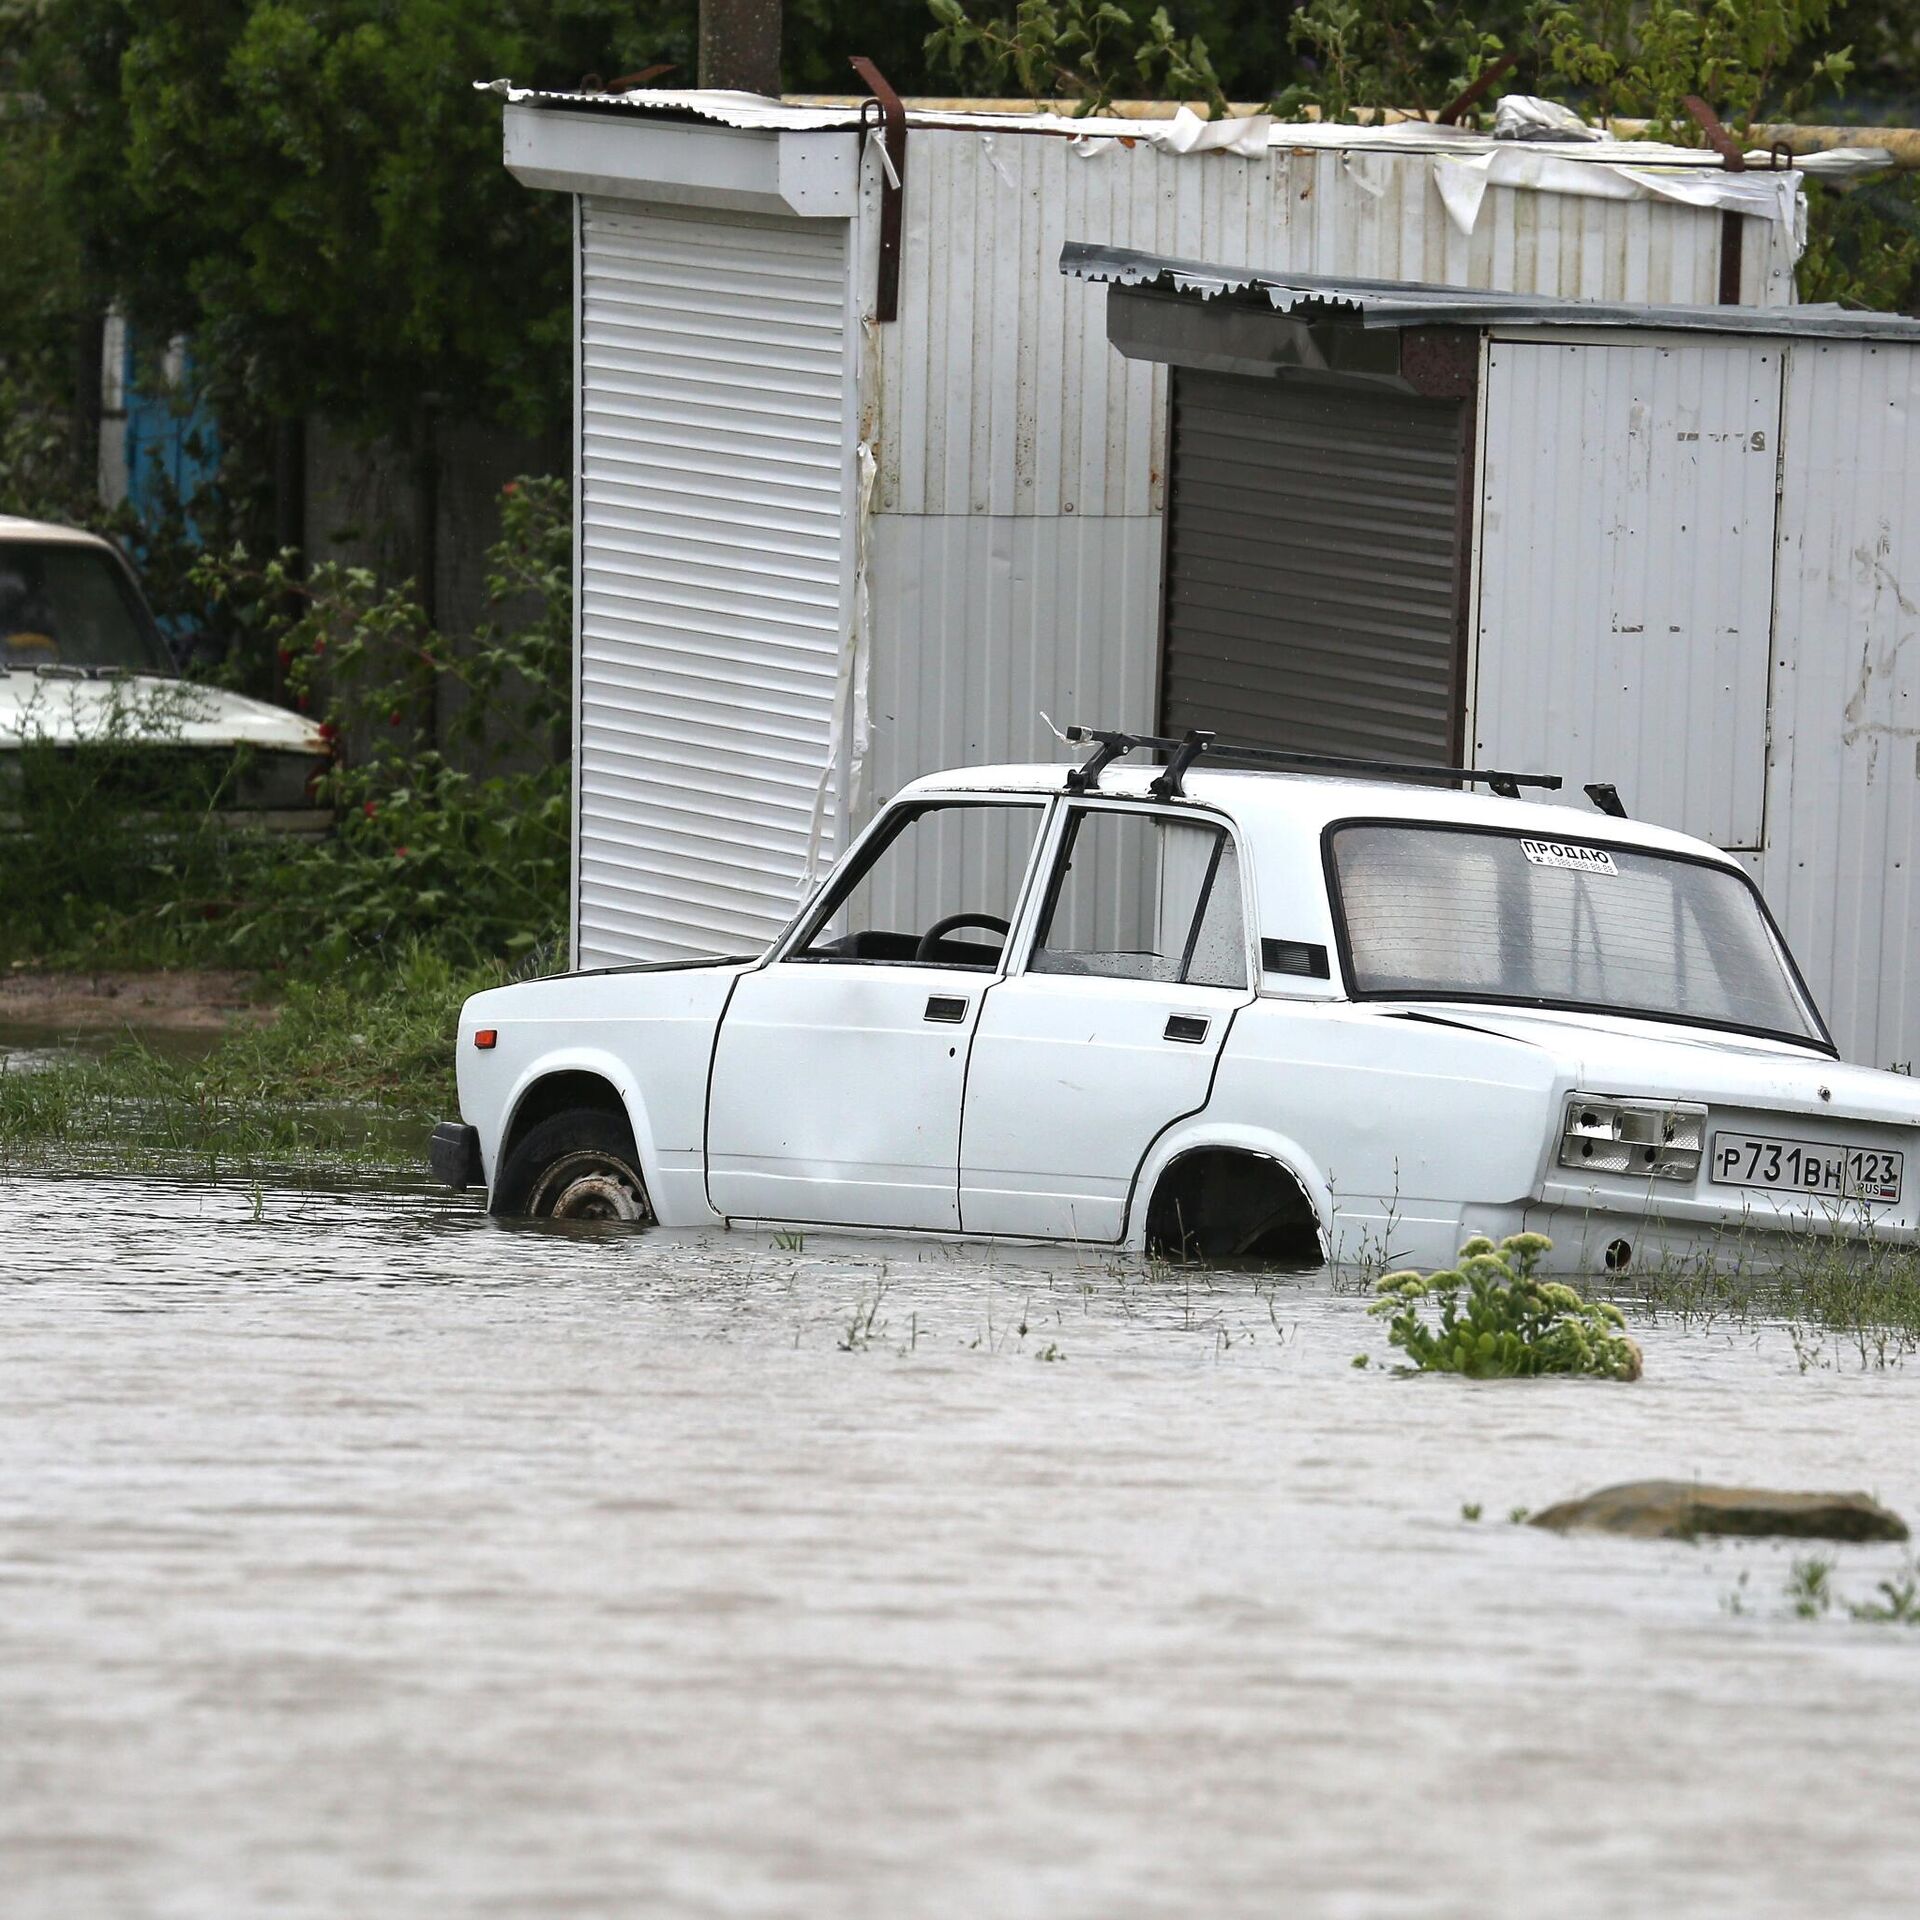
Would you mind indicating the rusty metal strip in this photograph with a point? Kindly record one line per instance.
(1732, 154)
(1475, 90)
(892, 135)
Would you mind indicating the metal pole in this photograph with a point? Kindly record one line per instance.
(740, 45)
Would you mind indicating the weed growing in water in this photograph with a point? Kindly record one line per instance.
(1470, 1509)
(786, 1241)
(1898, 1605)
(1810, 1587)
(1841, 1293)
(1498, 1320)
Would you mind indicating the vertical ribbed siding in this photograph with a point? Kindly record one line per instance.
(1626, 556)
(713, 479)
(993, 622)
(1000, 393)
(1843, 803)
(1313, 553)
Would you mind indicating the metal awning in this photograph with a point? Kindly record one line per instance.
(1397, 303)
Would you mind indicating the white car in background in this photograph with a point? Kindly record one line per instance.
(82, 660)
(1270, 1014)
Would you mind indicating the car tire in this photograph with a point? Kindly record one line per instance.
(577, 1165)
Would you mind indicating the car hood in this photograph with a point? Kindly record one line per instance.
(1608, 1054)
(145, 706)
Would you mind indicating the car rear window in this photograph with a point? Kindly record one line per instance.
(1454, 912)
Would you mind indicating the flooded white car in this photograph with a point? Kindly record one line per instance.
(82, 662)
(1282, 1015)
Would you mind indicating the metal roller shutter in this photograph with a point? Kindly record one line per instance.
(1313, 566)
(713, 472)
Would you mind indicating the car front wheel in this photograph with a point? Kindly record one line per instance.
(577, 1165)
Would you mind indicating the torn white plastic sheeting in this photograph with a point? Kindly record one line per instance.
(1768, 194)
(1249, 135)
(1844, 163)
(851, 736)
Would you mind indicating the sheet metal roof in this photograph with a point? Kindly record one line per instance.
(1396, 303)
(1185, 131)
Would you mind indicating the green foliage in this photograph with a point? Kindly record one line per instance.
(1638, 58)
(1863, 244)
(346, 1076)
(107, 823)
(131, 853)
(424, 848)
(315, 190)
(1404, 54)
(1499, 1321)
(1087, 51)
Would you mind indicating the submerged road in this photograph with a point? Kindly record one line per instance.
(359, 1555)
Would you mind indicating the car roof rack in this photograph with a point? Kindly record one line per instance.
(1110, 746)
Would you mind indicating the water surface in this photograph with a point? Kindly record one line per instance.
(362, 1556)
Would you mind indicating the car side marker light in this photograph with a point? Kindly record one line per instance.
(485, 1038)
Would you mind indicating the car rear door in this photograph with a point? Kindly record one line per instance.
(1111, 1028)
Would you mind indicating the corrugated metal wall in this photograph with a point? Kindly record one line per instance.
(1313, 561)
(714, 479)
(1843, 795)
(999, 391)
(1000, 398)
(1626, 558)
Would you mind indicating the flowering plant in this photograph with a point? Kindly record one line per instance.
(1499, 1320)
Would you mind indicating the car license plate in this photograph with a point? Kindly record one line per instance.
(1801, 1166)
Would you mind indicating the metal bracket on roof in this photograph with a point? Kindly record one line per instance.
(1606, 796)
(1108, 747)
(1170, 784)
(891, 134)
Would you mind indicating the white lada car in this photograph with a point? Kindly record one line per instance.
(1278, 1015)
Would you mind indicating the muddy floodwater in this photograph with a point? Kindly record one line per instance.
(359, 1556)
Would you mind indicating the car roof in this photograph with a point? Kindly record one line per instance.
(50, 532)
(1307, 803)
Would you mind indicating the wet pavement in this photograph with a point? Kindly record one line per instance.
(359, 1555)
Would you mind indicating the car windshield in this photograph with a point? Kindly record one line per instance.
(1461, 913)
(65, 604)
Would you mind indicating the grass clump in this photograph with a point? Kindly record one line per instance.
(1499, 1321)
(1843, 1295)
(350, 1076)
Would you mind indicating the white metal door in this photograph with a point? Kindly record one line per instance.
(836, 1094)
(1626, 574)
(714, 369)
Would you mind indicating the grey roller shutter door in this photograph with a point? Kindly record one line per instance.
(1313, 566)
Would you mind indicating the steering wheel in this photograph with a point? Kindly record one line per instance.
(941, 928)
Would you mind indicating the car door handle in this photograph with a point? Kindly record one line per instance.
(1189, 1027)
(951, 1008)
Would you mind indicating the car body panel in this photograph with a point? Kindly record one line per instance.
(647, 1031)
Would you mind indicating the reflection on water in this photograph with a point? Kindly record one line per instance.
(27, 1045)
(359, 1555)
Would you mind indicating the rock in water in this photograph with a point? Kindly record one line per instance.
(1686, 1510)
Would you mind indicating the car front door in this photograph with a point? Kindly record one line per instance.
(838, 1069)
(1109, 1033)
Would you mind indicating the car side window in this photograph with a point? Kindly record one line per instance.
(937, 887)
(1141, 896)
